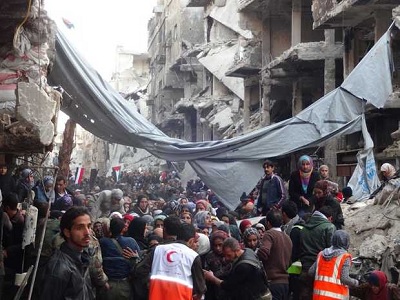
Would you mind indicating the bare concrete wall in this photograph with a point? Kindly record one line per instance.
(220, 32)
(191, 27)
(307, 33)
(280, 35)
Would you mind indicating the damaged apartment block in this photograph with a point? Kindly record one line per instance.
(28, 105)
(224, 68)
(362, 23)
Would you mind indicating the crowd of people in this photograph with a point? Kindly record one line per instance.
(147, 237)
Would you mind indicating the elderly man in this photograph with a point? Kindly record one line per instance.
(246, 280)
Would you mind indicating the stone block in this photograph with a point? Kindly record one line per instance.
(37, 108)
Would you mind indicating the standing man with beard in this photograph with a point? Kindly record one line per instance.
(270, 189)
(67, 272)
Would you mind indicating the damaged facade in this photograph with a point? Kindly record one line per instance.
(362, 23)
(28, 105)
(240, 65)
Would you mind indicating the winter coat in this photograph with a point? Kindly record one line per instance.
(296, 189)
(315, 236)
(337, 214)
(67, 276)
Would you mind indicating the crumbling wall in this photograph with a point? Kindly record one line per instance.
(321, 7)
(280, 35)
(28, 105)
(192, 27)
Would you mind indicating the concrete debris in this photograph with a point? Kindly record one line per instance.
(373, 230)
(374, 246)
(218, 62)
(229, 16)
(24, 92)
(308, 52)
(37, 108)
(223, 118)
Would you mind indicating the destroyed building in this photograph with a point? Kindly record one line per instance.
(28, 105)
(362, 23)
(235, 66)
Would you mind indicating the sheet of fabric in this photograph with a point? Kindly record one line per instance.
(232, 166)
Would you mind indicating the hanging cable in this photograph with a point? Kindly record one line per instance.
(18, 30)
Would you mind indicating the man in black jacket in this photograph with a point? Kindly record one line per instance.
(247, 279)
(67, 272)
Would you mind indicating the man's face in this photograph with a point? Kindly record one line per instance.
(60, 185)
(3, 170)
(79, 234)
(229, 254)
(324, 172)
(269, 170)
(143, 203)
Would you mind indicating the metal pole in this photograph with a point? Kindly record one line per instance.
(41, 241)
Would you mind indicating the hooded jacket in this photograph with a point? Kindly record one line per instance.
(315, 236)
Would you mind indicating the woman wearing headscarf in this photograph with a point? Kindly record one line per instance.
(387, 171)
(301, 185)
(331, 270)
(204, 247)
(203, 222)
(137, 230)
(322, 197)
(44, 191)
(251, 238)
(233, 228)
(215, 262)
(203, 205)
(376, 288)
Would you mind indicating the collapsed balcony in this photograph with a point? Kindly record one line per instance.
(247, 61)
(348, 13)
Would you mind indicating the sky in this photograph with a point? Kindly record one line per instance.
(100, 26)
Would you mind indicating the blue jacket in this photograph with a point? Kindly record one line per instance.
(114, 264)
(270, 192)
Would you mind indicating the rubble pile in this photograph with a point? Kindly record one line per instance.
(374, 231)
(28, 105)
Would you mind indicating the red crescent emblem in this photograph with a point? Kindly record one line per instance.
(169, 256)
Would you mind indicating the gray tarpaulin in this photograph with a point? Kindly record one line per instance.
(232, 166)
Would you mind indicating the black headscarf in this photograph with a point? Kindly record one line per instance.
(136, 230)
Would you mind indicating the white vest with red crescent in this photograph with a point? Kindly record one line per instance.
(171, 272)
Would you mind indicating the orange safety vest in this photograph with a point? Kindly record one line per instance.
(327, 283)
